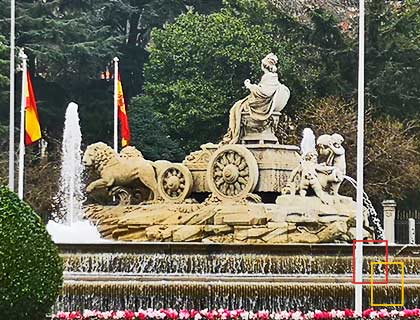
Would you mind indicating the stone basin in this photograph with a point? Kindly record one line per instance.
(195, 275)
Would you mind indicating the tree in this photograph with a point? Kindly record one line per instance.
(150, 133)
(391, 166)
(392, 51)
(4, 73)
(31, 270)
(198, 64)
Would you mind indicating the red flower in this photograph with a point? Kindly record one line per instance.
(367, 312)
(142, 315)
(349, 313)
(129, 315)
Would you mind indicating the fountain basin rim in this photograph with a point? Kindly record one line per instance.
(239, 278)
(230, 248)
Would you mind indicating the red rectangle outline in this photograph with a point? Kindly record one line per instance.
(354, 259)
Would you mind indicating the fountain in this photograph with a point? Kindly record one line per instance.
(246, 223)
(72, 227)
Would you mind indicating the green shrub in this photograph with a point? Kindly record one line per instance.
(31, 269)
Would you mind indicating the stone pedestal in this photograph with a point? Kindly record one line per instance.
(411, 231)
(389, 207)
(257, 131)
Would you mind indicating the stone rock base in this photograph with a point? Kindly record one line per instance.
(293, 219)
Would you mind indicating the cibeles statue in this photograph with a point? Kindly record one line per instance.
(266, 98)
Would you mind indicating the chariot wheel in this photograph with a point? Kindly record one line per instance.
(175, 183)
(232, 172)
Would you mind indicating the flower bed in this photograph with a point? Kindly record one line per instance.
(223, 314)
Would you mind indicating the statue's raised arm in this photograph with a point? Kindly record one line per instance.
(266, 97)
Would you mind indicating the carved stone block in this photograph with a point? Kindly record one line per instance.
(187, 233)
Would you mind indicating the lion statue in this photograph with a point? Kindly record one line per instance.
(127, 169)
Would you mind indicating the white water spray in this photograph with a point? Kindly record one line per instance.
(71, 194)
(373, 215)
(70, 197)
(308, 142)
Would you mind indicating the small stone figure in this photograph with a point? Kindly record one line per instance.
(264, 98)
(307, 172)
(330, 147)
(324, 178)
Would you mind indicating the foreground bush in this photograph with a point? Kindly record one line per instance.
(30, 268)
(224, 314)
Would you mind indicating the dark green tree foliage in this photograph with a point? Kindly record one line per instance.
(31, 269)
(392, 57)
(150, 133)
(198, 64)
(70, 43)
(332, 52)
(66, 41)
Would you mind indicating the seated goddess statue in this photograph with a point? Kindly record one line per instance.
(265, 98)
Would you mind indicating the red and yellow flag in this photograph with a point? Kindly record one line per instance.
(122, 115)
(32, 126)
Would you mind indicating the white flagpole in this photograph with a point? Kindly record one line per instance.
(12, 99)
(116, 104)
(24, 57)
(360, 154)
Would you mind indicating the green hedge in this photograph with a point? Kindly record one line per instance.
(31, 270)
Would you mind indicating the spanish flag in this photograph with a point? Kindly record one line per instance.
(122, 115)
(32, 126)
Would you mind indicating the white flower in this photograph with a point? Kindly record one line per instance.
(245, 315)
(394, 313)
(297, 315)
(198, 316)
(88, 313)
(119, 315)
(310, 315)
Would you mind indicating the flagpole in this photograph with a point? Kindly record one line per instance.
(360, 154)
(12, 99)
(24, 58)
(116, 104)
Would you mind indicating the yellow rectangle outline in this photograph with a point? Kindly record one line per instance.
(401, 263)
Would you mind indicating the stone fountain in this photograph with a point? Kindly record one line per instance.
(245, 223)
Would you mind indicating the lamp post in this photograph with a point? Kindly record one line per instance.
(24, 59)
(360, 154)
(116, 104)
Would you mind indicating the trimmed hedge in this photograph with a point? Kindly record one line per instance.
(31, 270)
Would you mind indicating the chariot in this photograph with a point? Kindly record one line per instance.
(259, 164)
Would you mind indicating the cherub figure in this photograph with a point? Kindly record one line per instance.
(330, 146)
(308, 171)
